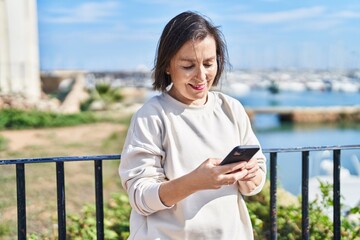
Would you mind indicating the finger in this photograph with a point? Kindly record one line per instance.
(251, 174)
(254, 169)
(228, 182)
(240, 174)
(251, 163)
(215, 161)
(233, 177)
(249, 177)
(233, 167)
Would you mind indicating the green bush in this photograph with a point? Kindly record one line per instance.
(117, 213)
(289, 217)
(105, 93)
(20, 119)
(5, 229)
(108, 93)
(116, 222)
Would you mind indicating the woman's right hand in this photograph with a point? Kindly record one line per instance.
(211, 175)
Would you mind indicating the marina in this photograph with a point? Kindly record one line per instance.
(308, 118)
(329, 114)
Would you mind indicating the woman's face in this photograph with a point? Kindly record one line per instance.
(192, 71)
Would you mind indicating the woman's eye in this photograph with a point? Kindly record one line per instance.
(208, 65)
(188, 67)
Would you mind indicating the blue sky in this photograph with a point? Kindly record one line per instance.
(123, 35)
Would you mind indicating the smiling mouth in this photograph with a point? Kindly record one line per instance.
(198, 86)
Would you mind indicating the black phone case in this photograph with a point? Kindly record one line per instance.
(240, 153)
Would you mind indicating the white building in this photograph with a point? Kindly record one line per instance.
(19, 51)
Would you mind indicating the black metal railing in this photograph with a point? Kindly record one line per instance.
(61, 208)
(305, 186)
(60, 185)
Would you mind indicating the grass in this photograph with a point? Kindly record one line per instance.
(3, 143)
(41, 202)
(20, 119)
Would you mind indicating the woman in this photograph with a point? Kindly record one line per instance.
(170, 164)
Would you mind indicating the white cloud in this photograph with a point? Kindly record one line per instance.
(282, 16)
(153, 20)
(164, 2)
(88, 12)
(328, 25)
(347, 14)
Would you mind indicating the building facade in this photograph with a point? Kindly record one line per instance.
(19, 49)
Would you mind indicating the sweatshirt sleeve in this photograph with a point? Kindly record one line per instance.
(248, 137)
(140, 169)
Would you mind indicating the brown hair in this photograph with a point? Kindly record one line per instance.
(182, 28)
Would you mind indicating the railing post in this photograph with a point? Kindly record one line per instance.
(21, 200)
(99, 199)
(60, 181)
(305, 196)
(336, 189)
(273, 195)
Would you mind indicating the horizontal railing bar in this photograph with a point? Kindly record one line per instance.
(320, 148)
(118, 156)
(60, 159)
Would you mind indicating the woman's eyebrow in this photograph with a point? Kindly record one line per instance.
(210, 58)
(185, 59)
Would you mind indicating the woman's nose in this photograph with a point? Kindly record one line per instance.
(201, 73)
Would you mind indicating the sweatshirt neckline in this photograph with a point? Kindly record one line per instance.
(179, 106)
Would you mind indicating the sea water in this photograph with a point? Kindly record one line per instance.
(272, 134)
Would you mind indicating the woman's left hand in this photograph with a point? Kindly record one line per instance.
(252, 168)
(252, 178)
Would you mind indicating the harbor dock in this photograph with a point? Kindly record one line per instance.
(329, 114)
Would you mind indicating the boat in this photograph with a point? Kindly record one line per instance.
(274, 87)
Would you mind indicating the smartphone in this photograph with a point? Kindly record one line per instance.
(240, 153)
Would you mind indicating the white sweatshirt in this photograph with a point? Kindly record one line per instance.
(168, 139)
